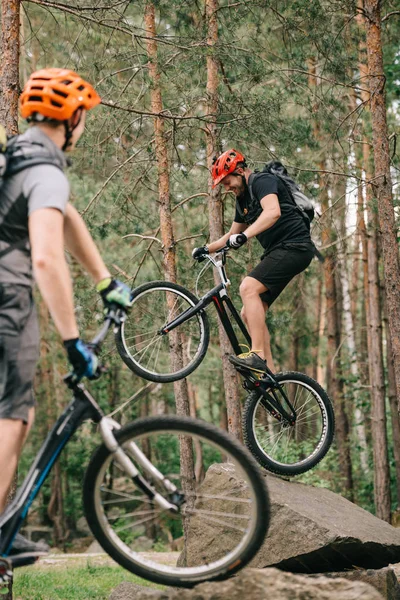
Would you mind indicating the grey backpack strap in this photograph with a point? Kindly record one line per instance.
(16, 246)
(250, 185)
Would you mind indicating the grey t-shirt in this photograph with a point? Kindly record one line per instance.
(41, 186)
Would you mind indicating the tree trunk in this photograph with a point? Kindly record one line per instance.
(9, 69)
(351, 344)
(382, 179)
(333, 331)
(320, 369)
(9, 94)
(215, 213)
(392, 402)
(373, 305)
(375, 356)
(167, 237)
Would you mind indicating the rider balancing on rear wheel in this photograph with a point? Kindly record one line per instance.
(36, 221)
(269, 214)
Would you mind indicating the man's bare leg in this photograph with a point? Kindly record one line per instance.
(267, 344)
(254, 314)
(13, 433)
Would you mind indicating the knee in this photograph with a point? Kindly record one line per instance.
(246, 288)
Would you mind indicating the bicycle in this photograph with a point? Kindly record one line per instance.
(141, 480)
(288, 419)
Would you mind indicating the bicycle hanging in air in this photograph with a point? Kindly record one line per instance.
(288, 419)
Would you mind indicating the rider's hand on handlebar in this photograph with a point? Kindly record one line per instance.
(83, 359)
(113, 291)
(237, 240)
(200, 253)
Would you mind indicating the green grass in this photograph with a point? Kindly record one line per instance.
(73, 583)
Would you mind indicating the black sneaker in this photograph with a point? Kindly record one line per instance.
(22, 545)
(250, 361)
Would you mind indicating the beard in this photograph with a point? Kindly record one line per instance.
(240, 189)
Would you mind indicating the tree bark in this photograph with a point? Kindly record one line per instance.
(9, 69)
(168, 244)
(382, 180)
(334, 384)
(392, 402)
(373, 303)
(9, 94)
(166, 228)
(216, 215)
(377, 378)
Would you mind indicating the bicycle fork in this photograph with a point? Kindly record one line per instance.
(107, 425)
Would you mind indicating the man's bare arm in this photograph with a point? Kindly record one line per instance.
(235, 228)
(51, 270)
(269, 216)
(81, 245)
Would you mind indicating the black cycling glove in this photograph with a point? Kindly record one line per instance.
(199, 253)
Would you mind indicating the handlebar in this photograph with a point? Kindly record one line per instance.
(115, 315)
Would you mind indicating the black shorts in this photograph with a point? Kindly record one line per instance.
(19, 351)
(278, 267)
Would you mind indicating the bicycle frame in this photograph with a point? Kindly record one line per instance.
(219, 297)
(81, 408)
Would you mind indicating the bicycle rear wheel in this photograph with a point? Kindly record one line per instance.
(223, 512)
(290, 449)
(156, 356)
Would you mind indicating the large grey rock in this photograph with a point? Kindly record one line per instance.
(384, 580)
(254, 584)
(312, 530)
(132, 591)
(82, 526)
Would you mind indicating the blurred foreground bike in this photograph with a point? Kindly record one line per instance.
(149, 479)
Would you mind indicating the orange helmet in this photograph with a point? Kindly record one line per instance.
(56, 94)
(225, 165)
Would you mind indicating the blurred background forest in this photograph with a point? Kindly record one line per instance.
(181, 81)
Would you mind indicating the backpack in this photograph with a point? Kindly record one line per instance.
(15, 156)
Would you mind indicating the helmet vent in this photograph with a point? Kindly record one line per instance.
(35, 99)
(59, 93)
(54, 103)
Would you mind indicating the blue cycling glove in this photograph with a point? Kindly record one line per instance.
(82, 358)
(114, 291)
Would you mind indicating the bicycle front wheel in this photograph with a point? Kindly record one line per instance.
(223, 507)
(290, 449)
(156, 356)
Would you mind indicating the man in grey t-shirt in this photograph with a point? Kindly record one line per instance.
(36, 222)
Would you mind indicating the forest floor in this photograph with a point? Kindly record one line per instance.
(75, 577)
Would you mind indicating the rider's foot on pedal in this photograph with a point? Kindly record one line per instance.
(250, 361)
(22, 545)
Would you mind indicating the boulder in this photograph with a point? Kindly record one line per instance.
(132, 591)
(82, 526)
(312, 529)
(255, 584)
(94, 548)
(384, 580)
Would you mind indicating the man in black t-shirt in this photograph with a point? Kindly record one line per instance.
(270, 214)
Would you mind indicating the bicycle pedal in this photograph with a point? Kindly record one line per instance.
(24, 559)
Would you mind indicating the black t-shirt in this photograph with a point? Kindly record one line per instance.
(290, 225)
